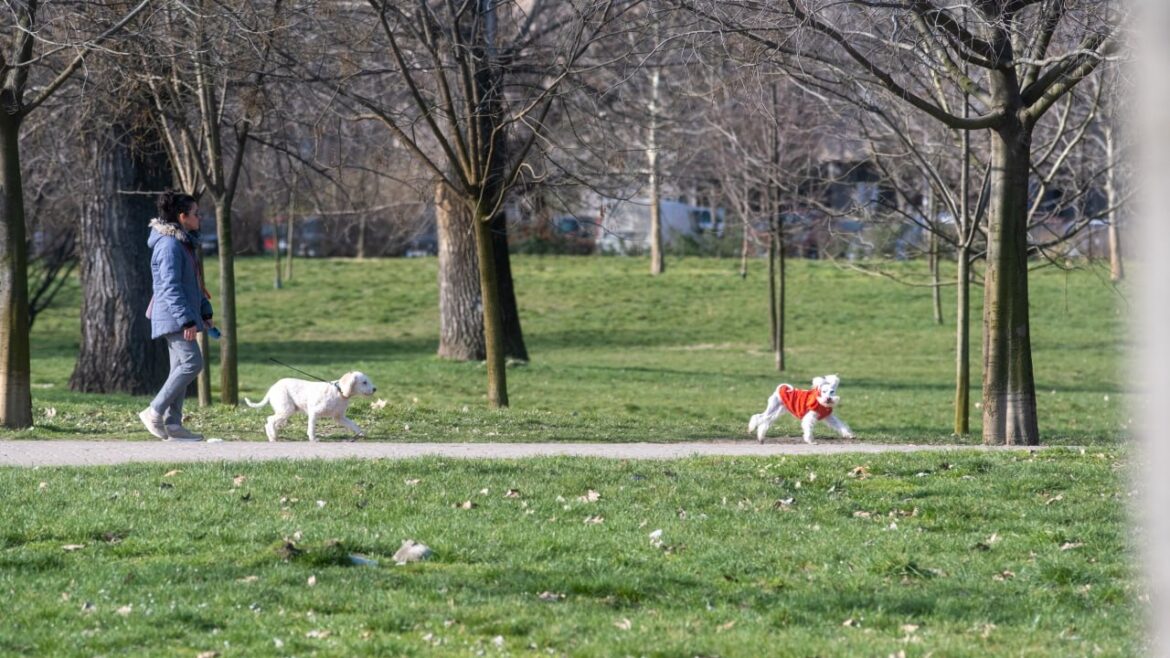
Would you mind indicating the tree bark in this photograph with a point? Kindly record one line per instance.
(225, 316)
(117, 354)
(15, 367)
(493, 323)
(514, 347)
(657, 260)
(963, 343)
(460, 304)
(1009, 395)
(1116, 267)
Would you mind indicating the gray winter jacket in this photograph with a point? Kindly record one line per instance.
(178, 296)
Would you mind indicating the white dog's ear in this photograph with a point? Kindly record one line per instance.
(348, 383)
(817, 381)
(833, 379)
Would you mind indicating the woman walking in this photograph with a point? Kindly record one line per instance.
(180, 308)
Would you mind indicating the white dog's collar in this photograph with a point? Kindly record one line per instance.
(337, 386)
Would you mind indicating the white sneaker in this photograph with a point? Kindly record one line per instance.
(153, 421)
(180, 433)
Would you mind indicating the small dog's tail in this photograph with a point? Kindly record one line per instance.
(257, 405)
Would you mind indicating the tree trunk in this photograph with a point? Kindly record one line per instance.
(1009, 395)
(117, 354)
(781, 290)
(657, 261)
(460, 303)
(15, 367)
(1116, 267)
(963, 344)
(225, 315)
(513, 335)
(493, 324)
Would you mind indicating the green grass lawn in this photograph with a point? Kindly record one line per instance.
(922, 554)
(618, 355)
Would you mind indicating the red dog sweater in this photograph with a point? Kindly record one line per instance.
(799, 401)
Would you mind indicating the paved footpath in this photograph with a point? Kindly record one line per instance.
(95, 453)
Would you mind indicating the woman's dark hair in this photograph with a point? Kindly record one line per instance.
(171, 203)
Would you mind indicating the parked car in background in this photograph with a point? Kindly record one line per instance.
(308, 236)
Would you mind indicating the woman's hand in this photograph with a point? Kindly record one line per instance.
(189, 333)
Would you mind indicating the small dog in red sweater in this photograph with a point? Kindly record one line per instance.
(809, 405)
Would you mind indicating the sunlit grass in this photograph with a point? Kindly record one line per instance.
(618, 355)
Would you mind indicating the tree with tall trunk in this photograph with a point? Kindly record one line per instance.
(1024, 55)
(43, 51)
(467, 89)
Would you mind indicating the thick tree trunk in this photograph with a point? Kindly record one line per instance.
(460, 303)
(225, 315)
(963, 344)
(117, 354)
(15, 367)
(513, 335)
(461, 323)
(493, 323)
(1009, 395)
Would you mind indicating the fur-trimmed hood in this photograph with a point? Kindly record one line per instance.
(160, 229)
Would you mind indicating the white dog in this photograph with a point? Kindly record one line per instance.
(809, 405)
(317, 399)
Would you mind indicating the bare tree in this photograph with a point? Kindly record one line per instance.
(44, 49)
(460, 81)
(206, 70)
(1024, 54)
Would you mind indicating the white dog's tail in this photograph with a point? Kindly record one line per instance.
(257, 405)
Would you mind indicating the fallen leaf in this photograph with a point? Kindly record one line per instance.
(312, 581)
(861, 515)
(1054, 499)
(248, 579)
(783, 503)
(318, 634)
(512, 493)
(551, 596)
(725, 627)
(412, 482)
(239, 480)
(125, 610)
(851, 623)
(859, 472)
(656, 538)
(378, 404)
(72, 547)
(172, 473)
(624, 624)
(1067, 546)
(208, 654)
(909, 628)
(42, 486)
(320, 503)
(590, 497)
(594, 520)
(467, 504)
(1004, 575)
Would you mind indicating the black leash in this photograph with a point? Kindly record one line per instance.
(300, 371)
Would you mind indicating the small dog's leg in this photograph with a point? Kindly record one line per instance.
(313, 428)
(762, 421)
(840, 426)
(353, 427)
(806, 424)
(272, 425)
